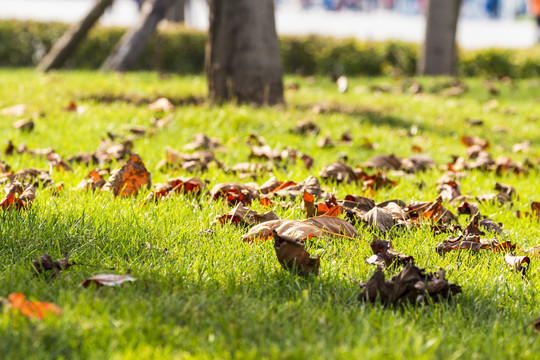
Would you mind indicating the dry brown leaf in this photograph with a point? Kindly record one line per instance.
(107, 280)
(518, 263)
(468, 208)
(44, 263)
(302, 230)
(417, 162)
(131, 177)
(24, 125)
(56, 162)
(305, 127)
(203, 142)
(269, 186)
(244, 216)
(338, 171)
(292, 255)
(411, 286)
(384, 254)
(383, 162)
(448, 188)
(380, 219)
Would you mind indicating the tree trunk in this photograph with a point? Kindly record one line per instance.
(66, 45)
(133, 42)
(242, 52)
(176, 12)
(439, 55)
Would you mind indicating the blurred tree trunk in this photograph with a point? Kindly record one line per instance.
(242, 52)
(66, 45)
(439, 54)
(133, 42)
(176, 12)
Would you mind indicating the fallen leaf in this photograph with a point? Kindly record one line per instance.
(203, 142)
(302, 230)
(292, 255)
(18, 196)
(127, 180)
(326, 142)
(305, 127)
(94, 180)
(383, 162)
(417, 162)
(15, 110)
(411, 286)
(311, 185)
(235, 193)
(491, 225)
(521, 147)
(329, 207)
(161, 104)
(379, 218)
(506, 189)
(44, 263)
(244, 216)
(338, 172)
(32, 309)
(24, 125)
(71, 107)
(468, 208)
(448, 189)
(56, 162)
(33, 176)
(384, 254)
(504, 164)
(269, 186)
(474, 140)
(107, 280)
(518, 263)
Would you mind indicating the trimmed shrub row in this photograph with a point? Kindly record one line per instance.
(176, 49)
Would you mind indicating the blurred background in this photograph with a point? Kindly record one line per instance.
(483, 23)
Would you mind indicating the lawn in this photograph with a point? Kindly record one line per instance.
(206, 293)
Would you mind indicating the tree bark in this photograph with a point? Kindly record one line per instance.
(242, 52)
(66, 45)
(176, 12)
(439, 55)
(133, 42)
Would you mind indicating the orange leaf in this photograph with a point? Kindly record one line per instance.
(333, 211)
(32, 309)
(284, 185)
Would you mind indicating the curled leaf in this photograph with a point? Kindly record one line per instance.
(518, 263)
(292, 255)
(412, 285)
(107, 280)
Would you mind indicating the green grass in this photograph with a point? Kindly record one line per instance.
(214, 296)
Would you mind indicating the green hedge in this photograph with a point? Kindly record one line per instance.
(176, 49)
